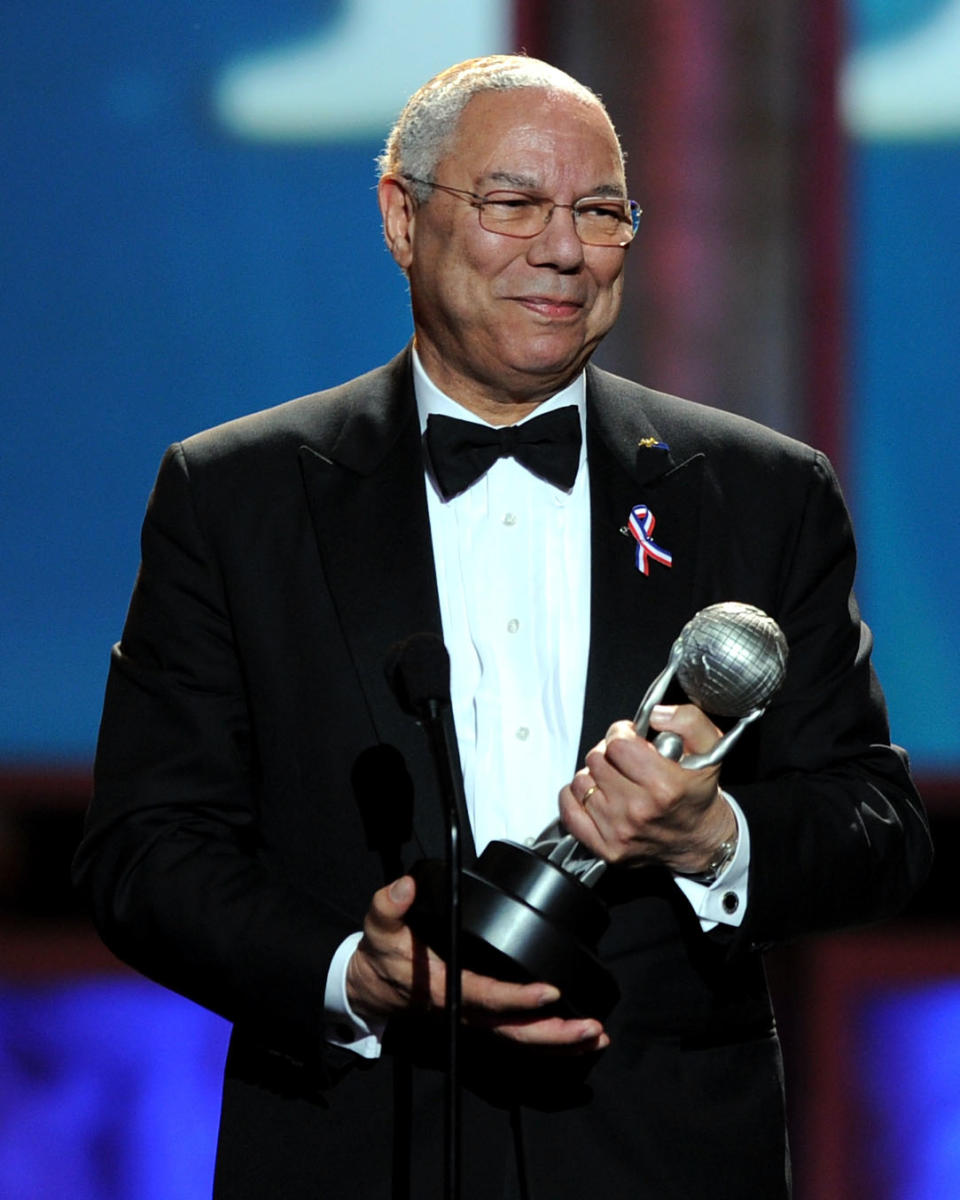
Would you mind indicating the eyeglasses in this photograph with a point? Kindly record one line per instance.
(598, 220)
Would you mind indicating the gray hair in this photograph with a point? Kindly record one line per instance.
(430, 117)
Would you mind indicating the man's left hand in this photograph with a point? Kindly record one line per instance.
(630, 805)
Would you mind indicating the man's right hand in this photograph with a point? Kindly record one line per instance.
(391, 971)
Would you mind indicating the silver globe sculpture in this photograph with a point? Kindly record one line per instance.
(733, 658)
(729, 659)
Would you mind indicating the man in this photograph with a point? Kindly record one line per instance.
(254, 769)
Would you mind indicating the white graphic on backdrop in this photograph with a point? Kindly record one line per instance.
(907, 88)
(350, 80)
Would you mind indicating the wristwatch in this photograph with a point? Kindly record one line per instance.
(722, 858)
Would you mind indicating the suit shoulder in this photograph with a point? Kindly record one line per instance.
(691, 427)
(314, 419)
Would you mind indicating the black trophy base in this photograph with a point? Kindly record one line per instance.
(523, 920)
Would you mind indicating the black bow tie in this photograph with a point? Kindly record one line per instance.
(461, 451)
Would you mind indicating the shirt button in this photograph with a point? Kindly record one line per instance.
(509, 518)
(513, 625)
(730, 902)
(523, 733)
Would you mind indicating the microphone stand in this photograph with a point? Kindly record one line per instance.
(419, 672)
(447, 770)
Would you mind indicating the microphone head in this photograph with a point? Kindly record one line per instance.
(733, 658)
(418, 670)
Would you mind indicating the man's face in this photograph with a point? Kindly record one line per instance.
(503, 320)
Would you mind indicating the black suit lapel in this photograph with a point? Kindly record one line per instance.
(634, 617)
(365, 489)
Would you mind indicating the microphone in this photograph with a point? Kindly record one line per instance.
(418, 670)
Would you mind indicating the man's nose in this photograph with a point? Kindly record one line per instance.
(558, 244)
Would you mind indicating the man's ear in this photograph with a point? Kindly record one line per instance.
(399, 215)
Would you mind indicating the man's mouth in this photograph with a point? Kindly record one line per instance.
(550, 306)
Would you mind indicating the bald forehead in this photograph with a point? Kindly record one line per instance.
(506, 107)
(496, 127)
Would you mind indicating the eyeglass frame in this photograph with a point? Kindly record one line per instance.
(479, 202)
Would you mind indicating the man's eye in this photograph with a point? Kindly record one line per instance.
(608, 212)
(510, 203)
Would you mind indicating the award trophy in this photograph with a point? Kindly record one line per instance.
(530, 913)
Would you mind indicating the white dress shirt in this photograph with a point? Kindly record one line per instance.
(512, 557)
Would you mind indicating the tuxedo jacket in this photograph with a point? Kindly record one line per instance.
(256, 782)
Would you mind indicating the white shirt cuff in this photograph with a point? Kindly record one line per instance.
(342, 1025)
(723, 902)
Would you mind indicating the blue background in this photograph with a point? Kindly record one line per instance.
(161, 277)
(904, 419)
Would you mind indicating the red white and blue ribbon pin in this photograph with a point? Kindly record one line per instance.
(641, 525)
